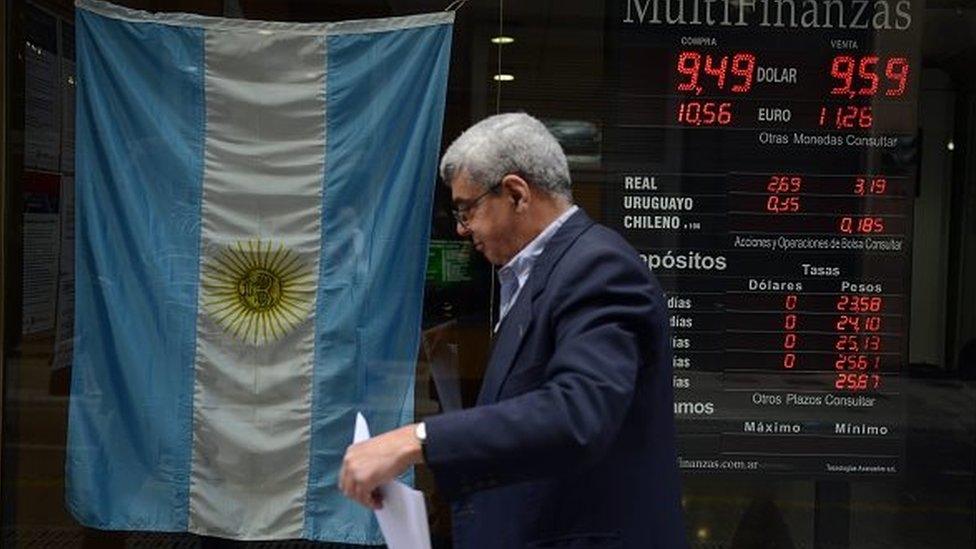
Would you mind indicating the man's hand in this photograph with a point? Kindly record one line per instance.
(375, 462)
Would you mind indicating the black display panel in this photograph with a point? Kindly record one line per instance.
(762, 158)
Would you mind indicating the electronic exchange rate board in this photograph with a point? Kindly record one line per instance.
(761, 156)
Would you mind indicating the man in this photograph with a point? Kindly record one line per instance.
(571, 443)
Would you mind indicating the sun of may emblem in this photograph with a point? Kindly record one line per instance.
(257, 292)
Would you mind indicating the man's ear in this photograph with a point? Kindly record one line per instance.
(518, 191)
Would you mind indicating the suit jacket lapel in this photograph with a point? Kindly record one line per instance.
(516, 322)
(507, 342)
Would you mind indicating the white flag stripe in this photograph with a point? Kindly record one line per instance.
(260, 244)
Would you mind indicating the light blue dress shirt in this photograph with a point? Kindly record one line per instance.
(515, 273)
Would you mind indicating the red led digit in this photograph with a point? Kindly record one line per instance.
(694, 113)
(846, 225)
(875, 185)
(849, 323)
(708, 114)
(689, 64)
(784, 184)
(718, 71)
(866, 70)
(725, 113)
(861, 225)
(846, 343)
(842, 69)
(864, 117)
(872, 225)
(846, 116)
(872, 343)
(789, 322)
(744, 66)
(897, 72)
(856, 382)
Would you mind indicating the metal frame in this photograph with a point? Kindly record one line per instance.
(3, 215)
(11, 199)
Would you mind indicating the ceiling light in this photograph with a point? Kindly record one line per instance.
(503, 77)
(502, 40)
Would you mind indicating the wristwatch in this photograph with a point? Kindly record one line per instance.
(420, 431)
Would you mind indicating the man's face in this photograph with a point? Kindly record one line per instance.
(489, 219)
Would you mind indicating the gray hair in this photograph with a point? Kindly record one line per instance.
(511, 143)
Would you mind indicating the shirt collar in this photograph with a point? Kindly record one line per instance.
(520, 265)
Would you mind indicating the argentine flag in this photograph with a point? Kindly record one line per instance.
(253, 213)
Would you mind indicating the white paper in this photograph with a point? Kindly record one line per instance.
(362, 429)
(64, 342)
(403, 518)
(40, 279)
(67, 116)
(65, 325)
(42, 104)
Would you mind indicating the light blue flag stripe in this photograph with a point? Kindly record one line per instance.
(385, 95)
(139, 153)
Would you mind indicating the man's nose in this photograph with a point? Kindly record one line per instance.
(462, 230)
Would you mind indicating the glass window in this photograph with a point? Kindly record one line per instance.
(798, 175)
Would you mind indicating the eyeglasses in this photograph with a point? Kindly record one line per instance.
(461, 211)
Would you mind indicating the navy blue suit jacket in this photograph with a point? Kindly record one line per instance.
(571, 443)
